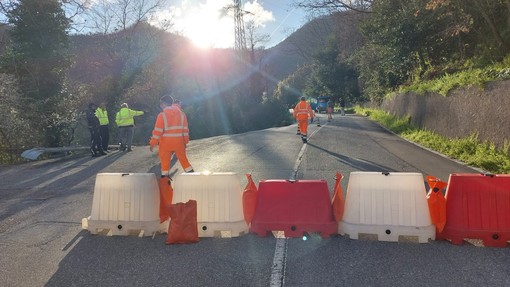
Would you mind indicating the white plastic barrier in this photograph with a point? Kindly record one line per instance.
(387, 207)
(125, 204)
(219, 202)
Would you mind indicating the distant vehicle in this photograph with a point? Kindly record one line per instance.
(322, 104)
(313, 103)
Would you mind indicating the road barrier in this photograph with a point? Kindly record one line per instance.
(378, 206)
(219, 202)
(294, 207)
(478, 207)
(387, 206)
(125, 204)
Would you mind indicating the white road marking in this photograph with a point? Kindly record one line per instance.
(280, 257)
(280, 251)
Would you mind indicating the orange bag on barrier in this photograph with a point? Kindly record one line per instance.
(436, 202)
(183, 227)
(338, 198)
(166, 194)
(249, 199)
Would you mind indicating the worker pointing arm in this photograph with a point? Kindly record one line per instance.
(126, 123)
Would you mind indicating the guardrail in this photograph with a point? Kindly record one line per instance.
(35, 153)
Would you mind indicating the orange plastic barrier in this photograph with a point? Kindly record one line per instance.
(165, 198)
(338, 201)
(478, 207)
(249, 199)
(436, 202)
(294, 207)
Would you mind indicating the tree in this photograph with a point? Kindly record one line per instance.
(484, 23)
(37, 56)
(126, 37)
(403, 41)
(332, 77)
(255, 79)
(331, 6)
(289, 90)
(13, 123)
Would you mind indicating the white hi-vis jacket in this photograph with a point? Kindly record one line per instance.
(171, 129)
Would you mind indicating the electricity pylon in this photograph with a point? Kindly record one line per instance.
(240, 48)
(240, 39)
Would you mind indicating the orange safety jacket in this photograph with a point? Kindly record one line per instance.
(171, 128)
(302, 110)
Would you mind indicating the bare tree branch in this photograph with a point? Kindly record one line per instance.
(363, 6)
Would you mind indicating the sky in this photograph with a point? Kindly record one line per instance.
(207, 26)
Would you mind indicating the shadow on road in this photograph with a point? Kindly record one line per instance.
(29, 185)
(358, 164)
(96, 260)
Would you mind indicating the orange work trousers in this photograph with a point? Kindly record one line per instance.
(303, 126)
(165, 156)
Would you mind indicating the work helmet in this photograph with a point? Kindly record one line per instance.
(167, 99)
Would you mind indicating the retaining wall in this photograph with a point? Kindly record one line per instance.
(461, 113)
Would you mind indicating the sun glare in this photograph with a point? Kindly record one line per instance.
(207, 28)
(210, 23)
(210, 34)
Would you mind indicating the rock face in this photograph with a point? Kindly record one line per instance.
(464, 111)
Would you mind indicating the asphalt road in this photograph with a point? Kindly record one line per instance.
(42, 204)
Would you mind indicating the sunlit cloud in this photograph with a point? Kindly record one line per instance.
(258, 14)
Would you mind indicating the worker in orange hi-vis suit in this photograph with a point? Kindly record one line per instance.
(171, 134)
(302, 111)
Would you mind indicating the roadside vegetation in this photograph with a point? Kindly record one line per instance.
(469, 150)
(471, 75)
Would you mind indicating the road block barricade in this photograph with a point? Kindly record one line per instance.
(125, 204)
(219, 202)
(294, 207)
(387, 206)
(478, 207)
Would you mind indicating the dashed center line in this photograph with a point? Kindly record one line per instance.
(280, 251)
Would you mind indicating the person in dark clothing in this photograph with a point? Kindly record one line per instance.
(329, 109)
(95, 137)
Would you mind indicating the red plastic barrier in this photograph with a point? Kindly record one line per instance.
(294, 207)
(478, 207)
